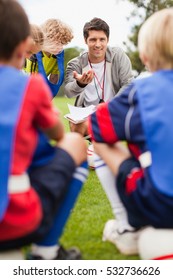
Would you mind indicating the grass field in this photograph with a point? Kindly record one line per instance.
(92, 210)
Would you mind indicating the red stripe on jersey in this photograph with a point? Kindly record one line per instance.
(135, 150)
(131, 180)
(105, 124)
(89, 125)
(23, 215)
(166, 257)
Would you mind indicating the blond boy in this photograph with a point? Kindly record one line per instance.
(141, 176)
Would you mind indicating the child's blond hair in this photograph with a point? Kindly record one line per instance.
(37, 34)
(56, 33)
(155, 39)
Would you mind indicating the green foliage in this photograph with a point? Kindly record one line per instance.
(136, 62)
(85, 225)
(151, 6)
(142, 10)
(70, 53)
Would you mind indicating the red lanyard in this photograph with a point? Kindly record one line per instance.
(103, 81)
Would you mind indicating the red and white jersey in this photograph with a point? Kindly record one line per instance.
(24, 211)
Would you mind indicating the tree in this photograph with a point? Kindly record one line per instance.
(142, 10)
(70, 53)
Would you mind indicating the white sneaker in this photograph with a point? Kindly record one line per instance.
(125, 241)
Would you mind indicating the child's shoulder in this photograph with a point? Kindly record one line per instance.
(38, 86)
(36, 78)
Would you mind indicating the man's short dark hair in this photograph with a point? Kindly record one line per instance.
(14, 27)
(96, 24)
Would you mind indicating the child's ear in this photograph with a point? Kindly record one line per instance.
(145, 60)
(142, 57)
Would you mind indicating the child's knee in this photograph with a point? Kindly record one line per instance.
(76, 146)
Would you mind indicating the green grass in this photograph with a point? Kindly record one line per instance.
(85, 225)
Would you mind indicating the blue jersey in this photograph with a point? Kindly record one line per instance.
(142, 115)
(11, 98)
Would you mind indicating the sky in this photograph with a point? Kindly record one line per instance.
(76, 13)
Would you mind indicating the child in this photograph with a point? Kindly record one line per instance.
(138, 180)
(56, 34)
(50, 61)
(37, 40)
(34, 208)
(50, 64)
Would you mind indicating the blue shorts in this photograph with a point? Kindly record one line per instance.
(145, 205)
(51, 182)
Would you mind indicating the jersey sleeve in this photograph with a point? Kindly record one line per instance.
(108, 123)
